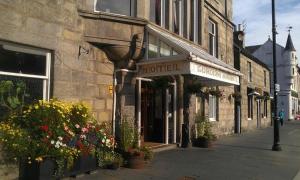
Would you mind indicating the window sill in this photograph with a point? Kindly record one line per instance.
(212, 119)
(249, 119)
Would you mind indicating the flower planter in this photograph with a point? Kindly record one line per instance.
(114, 166)
(37, 170)
(83, 164)
(136, 162)
(203, 143)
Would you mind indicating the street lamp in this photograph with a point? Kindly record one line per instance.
(276, 145)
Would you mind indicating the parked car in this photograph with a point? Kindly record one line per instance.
(297, 117)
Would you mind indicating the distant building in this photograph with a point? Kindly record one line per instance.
(254, 88)
(286, 73)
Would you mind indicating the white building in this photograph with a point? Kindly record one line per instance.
(286, 73)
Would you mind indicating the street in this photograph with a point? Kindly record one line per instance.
(247, 156)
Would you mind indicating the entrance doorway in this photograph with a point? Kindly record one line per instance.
(156, 109)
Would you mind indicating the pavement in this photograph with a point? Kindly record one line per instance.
(237, 157)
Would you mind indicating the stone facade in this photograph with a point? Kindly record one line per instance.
(55, 25)
(257, 83)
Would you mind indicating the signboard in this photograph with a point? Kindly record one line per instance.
(213, 73)
(163, 69)
(277, 87)
(149, 69)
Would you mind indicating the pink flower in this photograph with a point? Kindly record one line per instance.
(77, 126)
(84, 130)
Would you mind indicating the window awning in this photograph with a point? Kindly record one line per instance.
(191, 59)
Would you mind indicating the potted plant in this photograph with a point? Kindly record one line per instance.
(237, 96)
(203, 132)
(56, 131)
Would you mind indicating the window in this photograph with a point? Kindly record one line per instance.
(123, 7)
(265, 108)
(165, 50)
(250, 105)
(249, 68)
(265, 78)
(213, 108)
(26, 64)
(152, 46)
(212, 30)
(157, 48)
(185, 17)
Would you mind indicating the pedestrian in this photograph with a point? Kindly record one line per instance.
(281, 116)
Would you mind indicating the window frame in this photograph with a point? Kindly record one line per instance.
(265, 108)
(36, 51)
(250, 107)
(212, 113)
(133, 9)
(214, 35)
(249, 69)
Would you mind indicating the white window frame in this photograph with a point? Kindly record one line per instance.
(132, 12)
(213, 108)
(214, 35)
(36, 51)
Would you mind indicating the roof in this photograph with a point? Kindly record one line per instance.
(252, 49)
(189, 47)
(289, 44)
(249, 55)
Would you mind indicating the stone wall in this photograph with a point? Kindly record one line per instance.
(224, 35)
(257, 82)
(56, 26)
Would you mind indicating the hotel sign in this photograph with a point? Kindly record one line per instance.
(162, 69)
(186, 67)
(213, 73)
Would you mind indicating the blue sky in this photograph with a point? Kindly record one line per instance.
(257, 16)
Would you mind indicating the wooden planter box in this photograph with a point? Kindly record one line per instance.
(83, 164)
(45, 170)
(37, 170)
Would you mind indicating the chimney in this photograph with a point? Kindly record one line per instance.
(239, 36)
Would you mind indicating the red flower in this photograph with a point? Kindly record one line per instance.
(44, 128)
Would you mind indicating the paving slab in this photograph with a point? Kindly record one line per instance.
(238, 157)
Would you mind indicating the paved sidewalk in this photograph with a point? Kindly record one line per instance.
(234, 158)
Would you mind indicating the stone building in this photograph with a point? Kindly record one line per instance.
(109, 54)
(134, 60)
(286, 73)
(255, 103)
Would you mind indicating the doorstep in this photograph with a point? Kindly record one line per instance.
(163, 147)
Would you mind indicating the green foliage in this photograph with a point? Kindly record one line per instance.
(128, 135)
(203, 128)
(12, 97)
(148, 154)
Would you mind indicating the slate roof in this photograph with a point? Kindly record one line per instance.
(289, 44)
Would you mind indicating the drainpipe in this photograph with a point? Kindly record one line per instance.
(115, 97)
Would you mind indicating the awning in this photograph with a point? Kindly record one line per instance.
(191, 59)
